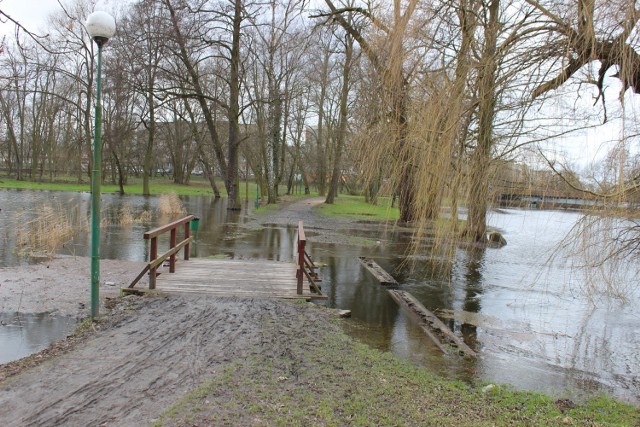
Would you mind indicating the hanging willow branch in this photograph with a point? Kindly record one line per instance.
(583, 47)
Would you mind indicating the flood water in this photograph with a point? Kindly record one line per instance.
(22, 334)
(527, 316)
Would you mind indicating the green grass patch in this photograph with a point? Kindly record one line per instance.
(355, 207)
(159, 185)
(198, 186)
(322, 377)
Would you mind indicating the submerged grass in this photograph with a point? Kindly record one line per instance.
(326, 378)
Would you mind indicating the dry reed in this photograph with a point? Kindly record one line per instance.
(125, 215)
(170, 205)
(45, 233)
(145, 216)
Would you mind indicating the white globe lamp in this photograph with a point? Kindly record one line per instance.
(101, 27)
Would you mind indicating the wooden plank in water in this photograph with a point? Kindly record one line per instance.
(430, 323)
(378, 272)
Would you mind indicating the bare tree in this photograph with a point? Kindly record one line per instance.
(141, 41)
(342, 120)
(388, 59)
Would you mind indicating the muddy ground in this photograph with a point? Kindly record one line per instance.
(147, 352)
(157, 350)
(61, 285)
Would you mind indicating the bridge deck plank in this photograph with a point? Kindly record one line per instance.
(243, 278)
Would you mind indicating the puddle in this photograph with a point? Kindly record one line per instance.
(24, 334)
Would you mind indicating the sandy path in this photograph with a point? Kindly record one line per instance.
(62, 285)
(133, 371)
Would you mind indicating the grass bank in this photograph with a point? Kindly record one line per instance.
(355, 207)
(323, 377)
(198, 186)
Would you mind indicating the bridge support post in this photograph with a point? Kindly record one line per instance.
(301, 249)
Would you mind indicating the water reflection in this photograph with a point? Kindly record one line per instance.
(525, 316)
(23, 334)
(472, 283)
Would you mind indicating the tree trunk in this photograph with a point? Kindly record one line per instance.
(232, 176)
(342, 130)
(321, 157)
(148, 152)
(481, 158)
(467, 13)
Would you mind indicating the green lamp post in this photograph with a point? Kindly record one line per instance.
(101, 27)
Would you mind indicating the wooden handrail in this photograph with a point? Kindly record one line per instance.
(305, 265)
(174, 248)
(164, 228)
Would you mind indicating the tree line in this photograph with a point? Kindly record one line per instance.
(411, 98)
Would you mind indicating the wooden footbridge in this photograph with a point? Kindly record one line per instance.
(224, 277)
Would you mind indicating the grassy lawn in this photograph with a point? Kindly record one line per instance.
(159, 185)
(198, 186)
(356, 208)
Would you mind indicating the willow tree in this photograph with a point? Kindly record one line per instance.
(481, 157)
(585, 32)
(388, 54)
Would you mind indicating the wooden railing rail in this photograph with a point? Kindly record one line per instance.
(174, 247)
(306, 267)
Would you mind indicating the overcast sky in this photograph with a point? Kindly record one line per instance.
(30, 13)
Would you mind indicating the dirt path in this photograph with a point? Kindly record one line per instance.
(300, 210)
(150, 351)
(131, 372)
(325, 229)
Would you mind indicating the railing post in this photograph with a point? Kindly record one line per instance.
(172, 244)
(152, 256)
(187, 233)
(301, 249)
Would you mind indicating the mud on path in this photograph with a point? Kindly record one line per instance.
(61, 285)
(149, 352)
(326, 229)
(161, 348)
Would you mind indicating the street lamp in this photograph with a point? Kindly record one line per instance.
(101, 27)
